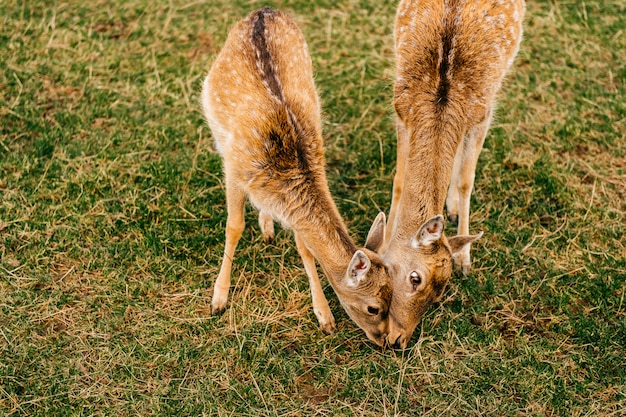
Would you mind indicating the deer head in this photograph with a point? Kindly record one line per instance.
(420, 269)
(366, 291)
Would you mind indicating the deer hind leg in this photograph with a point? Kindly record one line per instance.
(266, 223)
(452, 199)
(398, 180)
(320, 304)
(235, 202)
(463, 181)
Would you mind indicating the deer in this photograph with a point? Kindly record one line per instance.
(451, 58)
(261, 105)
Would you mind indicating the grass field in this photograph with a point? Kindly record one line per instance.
(112, 219)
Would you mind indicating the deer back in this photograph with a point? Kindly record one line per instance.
(261, 97)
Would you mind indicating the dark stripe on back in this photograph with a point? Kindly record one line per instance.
(444, 82)
(451, 59)
(263, 53)
(294, 150)
(447, 37)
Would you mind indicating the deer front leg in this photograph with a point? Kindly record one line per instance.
(235, 202)
(320, 304)
(463, 180)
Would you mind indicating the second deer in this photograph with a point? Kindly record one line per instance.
(451, 58)
(260, 102)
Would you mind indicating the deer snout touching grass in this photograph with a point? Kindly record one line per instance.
(260, 102)
(451, 58)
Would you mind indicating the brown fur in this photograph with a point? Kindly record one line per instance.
(260, 102)
(451, 57)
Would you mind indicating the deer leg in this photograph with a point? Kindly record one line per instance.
(473, 144)
(452, 200)
(266, 223)
(235, 202)
(320, 304)
(398, 181)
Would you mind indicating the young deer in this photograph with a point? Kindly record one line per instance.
(451, 57)
(260, 102)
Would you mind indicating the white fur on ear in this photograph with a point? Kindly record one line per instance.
(429, 232)
(376, 235)
(357, 269)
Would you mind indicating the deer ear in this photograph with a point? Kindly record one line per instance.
(430, 232)
(457, 243)
(359, 265)
(376, 235)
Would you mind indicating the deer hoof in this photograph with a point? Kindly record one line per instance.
(218, 305)
(330, 327)
(268, 238)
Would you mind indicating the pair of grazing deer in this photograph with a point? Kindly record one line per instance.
(261, 105)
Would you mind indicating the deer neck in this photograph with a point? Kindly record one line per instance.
(428, 174)
(326, 236)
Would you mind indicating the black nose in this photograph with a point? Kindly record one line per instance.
(396, 344)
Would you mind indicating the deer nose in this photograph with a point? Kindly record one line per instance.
(398, 343)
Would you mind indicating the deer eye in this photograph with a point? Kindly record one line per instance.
(416, 280)
(372, 310)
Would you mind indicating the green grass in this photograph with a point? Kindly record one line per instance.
(112, 218)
